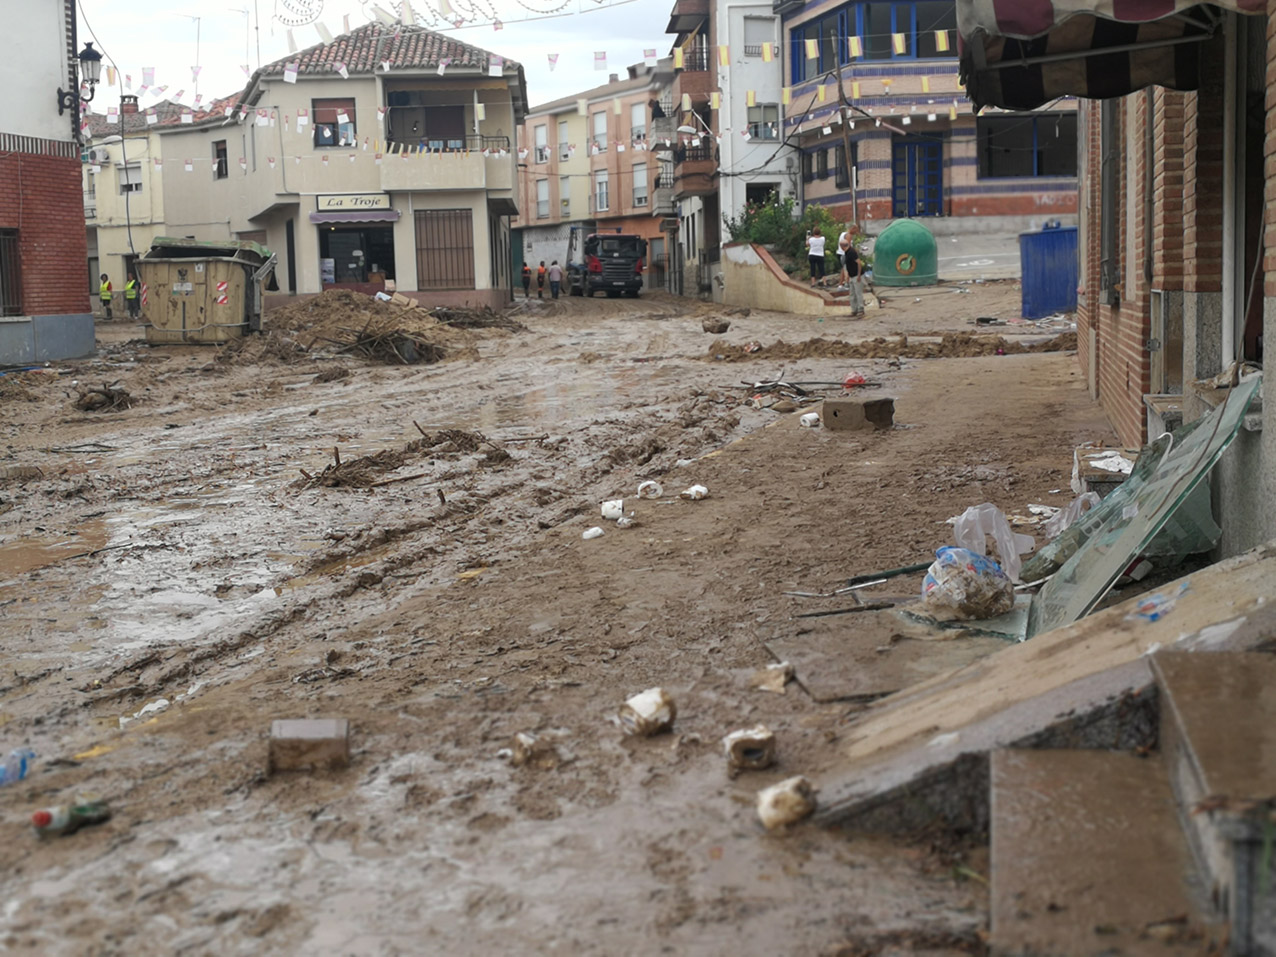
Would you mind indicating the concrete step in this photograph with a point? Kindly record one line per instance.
(1218, 735)
(1088, 857)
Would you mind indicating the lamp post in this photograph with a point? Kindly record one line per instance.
(90, 72)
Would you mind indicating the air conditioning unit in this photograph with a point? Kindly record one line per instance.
(99, 154)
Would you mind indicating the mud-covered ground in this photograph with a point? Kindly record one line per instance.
(188, 549)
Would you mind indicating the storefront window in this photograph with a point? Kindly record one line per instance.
(356, 254)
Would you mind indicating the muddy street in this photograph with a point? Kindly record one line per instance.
(278, 533)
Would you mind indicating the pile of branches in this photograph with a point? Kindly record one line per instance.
(109, 398)
(482, 318)
(362, 472)
(386, 344)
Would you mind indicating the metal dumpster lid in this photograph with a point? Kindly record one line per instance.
(227, 247)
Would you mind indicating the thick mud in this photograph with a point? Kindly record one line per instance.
(439, 595)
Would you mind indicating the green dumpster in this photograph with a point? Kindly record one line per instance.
(905, 255)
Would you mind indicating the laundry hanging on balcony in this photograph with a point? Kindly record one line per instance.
(1018, 55)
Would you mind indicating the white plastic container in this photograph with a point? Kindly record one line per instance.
(589, 533)
(648, 713)
(694, 494)
(810, 420)
(650, 489)
(613, 509)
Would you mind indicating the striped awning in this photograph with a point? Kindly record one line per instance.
(1021, 54)
(357, 216)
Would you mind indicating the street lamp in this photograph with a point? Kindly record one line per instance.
(90, 71)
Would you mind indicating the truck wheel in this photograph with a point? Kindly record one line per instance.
(576, 291)
(631, 293)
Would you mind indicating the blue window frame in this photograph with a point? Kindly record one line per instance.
(1036, 144)
(875, 23)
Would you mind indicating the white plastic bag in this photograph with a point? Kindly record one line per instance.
(1058, 523)
(963, 585)
(974, 525)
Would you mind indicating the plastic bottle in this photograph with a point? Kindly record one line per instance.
(16, 766)
(67, 818)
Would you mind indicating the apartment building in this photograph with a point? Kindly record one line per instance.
(43, 311)
(917, 148)
(729, 144)
(384, 159)
(588, 159)
(122, 183)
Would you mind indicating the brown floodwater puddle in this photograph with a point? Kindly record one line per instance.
(39, 551)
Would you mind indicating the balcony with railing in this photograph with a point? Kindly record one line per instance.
(695, 169)
(696, 78)
(457, 164)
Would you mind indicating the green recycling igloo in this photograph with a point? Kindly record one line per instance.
(905, 255)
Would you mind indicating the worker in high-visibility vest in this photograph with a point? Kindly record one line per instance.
(130, 297)
(104, 293)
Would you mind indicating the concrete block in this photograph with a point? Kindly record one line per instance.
(63, 337)
(857, 414)
(310, 742)
(17, 343)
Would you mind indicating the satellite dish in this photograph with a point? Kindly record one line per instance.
(686, 129)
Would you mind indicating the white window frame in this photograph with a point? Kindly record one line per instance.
(638, 122)
(542, 199)
(764, 121)
(602, 195)
(563, 142)
(640, 173)
(600, 130)
(541, 138)
(130, 177)
(564, 196)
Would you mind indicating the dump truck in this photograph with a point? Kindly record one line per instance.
(604, 262)
(198, 291)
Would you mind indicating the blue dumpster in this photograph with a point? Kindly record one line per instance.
(1048, 262)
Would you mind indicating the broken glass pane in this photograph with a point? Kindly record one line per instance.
(1127, 527)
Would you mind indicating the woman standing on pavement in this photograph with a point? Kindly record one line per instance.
(815, 254)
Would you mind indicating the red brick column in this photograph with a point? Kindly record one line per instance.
(42, 198)
(1203, 178)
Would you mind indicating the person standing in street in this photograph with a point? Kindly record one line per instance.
(540, 280)
(852, 270)
(555, 279)
(815, 254)
(844, 242)
(130, 297)
(527, 281)
(104, 292)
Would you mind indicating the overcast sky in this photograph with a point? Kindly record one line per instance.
(163, 35)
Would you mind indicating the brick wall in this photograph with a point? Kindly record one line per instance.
(41, 197)
(1203, 178)
(1088, 250)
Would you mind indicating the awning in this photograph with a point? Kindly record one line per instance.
(357, 216)
(1020, 55)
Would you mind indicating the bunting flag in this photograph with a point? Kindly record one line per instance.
(952, 112)
(187, 116)
(925, 84)
(746, 134)
(600, 61)
(151, 116)
(243, 164)
(195, 73)
(110, 76)
(377, 159)
(822, 93)
(908, 120)
(385, 66)
(128, 81)
(345, 23)
(649, 57)
(855, 90)
(677, 58)
(292, 42)
(199, 98)
(444, 63)
(112, 113)
(287, 123)
(148, 76)
(228, 109)
(827, 130)
(290, 72)
(786, 95)
(899, 42)
(445, 8)
(497, 25)
(715, 100)
(190, 166)
(750, 98)
(856, 45)
(812, 49)
(620, 147)
(159, 163)
(352, 157)
(263, 117)
(381, 115)
(768, 52)
(178, 96)
(324, 36)
(495, 66)
(553, 61)
(480, 111)
(941, 41)
(324, 159)
(724, 55)
(341, 68)
(303, 117)
(247, 70)
(686, 102)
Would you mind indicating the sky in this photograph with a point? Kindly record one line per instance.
(163, 36)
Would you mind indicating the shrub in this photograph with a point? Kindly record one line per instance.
(771, 223)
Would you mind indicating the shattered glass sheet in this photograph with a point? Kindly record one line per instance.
(1128, 525)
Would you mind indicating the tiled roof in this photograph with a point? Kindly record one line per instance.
(102, 125)
(363, 51)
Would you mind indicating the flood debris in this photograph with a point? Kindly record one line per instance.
(109, 398)
(810, 420)
(62, 819)
(332, 374)
(715, 326)
(590, 533)
(386, 344)
(648, 713)
(774, 677)
(694, 493)
(749, 749)
(483, 318)
(961, 344)
(529, 749)
(963, 585)
(361, 472)
(786, 803)
(650, 489)
(154, 707)
(613, 509)
(296, 744)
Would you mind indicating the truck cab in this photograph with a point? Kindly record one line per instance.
(604, 262)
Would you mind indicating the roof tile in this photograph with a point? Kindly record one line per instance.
(363, 50)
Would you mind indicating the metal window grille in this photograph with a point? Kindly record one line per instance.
(10, 274)
(445, 249)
